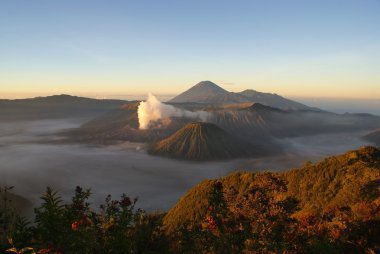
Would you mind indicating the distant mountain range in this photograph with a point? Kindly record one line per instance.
(255, 119)
(56, 106)
(207, 92)
(258, 125)
(254, 124)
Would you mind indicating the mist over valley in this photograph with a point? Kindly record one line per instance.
(107, 151)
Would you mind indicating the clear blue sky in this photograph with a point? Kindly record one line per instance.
(323, 48)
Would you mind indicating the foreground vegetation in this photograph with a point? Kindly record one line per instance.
(329, 207)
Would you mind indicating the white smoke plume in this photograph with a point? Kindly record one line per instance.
(153, 110)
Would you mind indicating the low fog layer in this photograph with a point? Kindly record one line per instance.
(342, 106)
(31, 164)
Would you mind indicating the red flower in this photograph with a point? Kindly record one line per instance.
(74, 226)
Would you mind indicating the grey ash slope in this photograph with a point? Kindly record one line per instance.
(207, 92)
(201, 141)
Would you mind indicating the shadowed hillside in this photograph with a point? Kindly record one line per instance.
(373, 137)
(16, 202)
(56, 106)
(274, 100)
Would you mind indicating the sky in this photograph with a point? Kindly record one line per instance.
(116, 48)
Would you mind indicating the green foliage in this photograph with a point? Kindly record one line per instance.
(329, 207)
(192, 207)
(117, 221)
(336, 181)
(51, 224)
(77, 228)
(8, 217)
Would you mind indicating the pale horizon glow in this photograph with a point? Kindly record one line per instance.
(122, 49)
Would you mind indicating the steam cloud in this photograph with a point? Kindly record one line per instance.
(152, 110)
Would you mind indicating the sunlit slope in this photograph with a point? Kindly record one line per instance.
(335, 181)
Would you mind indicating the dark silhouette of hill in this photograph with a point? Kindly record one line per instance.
(207, 92)
(341, 180)
(14, 201)
(56, 106)
(201, 141)
(373, 137)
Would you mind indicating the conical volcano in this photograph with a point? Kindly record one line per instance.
(201, 141)
(204, 91)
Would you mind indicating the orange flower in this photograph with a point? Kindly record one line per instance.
(74, 226)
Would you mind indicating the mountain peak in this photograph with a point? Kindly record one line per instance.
(209, 84)
(201, 92)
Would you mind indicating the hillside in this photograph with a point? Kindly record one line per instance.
(19, 204)
(373, 137)
(201, 141)
(339, 180)
(336, 181)
(56, 106)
